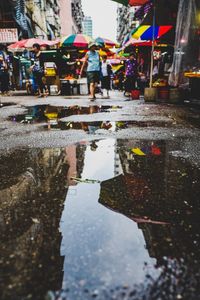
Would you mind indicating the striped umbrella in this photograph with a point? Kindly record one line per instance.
(149, 33)
(76, 40)
(106, 43)
(28, 43)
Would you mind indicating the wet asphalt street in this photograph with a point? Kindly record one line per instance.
(99, 200)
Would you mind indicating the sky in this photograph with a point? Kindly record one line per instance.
(103, 13)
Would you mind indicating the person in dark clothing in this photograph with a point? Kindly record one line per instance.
(131, 74)
(121, 80)
(4, 76)
(38, 71)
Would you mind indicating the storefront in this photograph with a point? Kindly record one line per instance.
(186, 62)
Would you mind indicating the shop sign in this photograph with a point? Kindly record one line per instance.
(8, 35)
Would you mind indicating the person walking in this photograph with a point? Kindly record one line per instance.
(4, 75)
(38, 71)
(92, 59)
(106, 72)
(131, 73)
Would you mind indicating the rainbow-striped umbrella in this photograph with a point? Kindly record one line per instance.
(149, 33)
(76, 40)
(28, 43)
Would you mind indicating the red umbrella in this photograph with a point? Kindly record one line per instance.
(137, 2)
(28, 43)
(132, 2)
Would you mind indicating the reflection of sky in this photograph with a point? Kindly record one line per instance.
(99, 245)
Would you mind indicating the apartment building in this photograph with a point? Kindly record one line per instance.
(125, 21)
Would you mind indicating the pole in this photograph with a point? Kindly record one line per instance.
(153, 44)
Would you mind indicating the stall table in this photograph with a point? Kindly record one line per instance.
(70, 87)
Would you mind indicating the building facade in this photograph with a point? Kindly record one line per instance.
(125, 21)
(71, 17)
(32, 18)
(44, 19)
(88, 26)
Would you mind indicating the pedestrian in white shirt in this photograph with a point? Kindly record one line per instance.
(106, 72)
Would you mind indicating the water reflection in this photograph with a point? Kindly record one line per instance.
(148, 220)
(101, 248)
(33, 186)
(131, 228)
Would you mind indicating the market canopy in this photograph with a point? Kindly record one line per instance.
(149, 33)
(76, 40)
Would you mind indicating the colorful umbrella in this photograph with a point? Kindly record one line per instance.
(149, 33)
(76, 40)
(106, 43)
(28, 43)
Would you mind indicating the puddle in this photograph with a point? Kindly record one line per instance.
(50, 118)
(106, 220)
(41, 113)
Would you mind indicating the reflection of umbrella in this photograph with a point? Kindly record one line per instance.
(76, 40)
(106, 43)
(28, 43)
(130, 196)
(148, 33)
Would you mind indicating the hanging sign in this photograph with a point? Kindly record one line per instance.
(8, 35)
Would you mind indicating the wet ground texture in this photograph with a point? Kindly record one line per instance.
(99, 201)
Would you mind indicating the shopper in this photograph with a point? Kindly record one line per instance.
(106, 72)
(4, 75)
(38, 71)
(92, 60)
(131, 74)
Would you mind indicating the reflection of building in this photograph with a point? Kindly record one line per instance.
(88, 26)
(32, 186)
(117, 163)
(75, 160)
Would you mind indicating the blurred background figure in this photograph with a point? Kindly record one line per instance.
(131, 74)
(106, 73)
(38, 71)
(4, 75)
